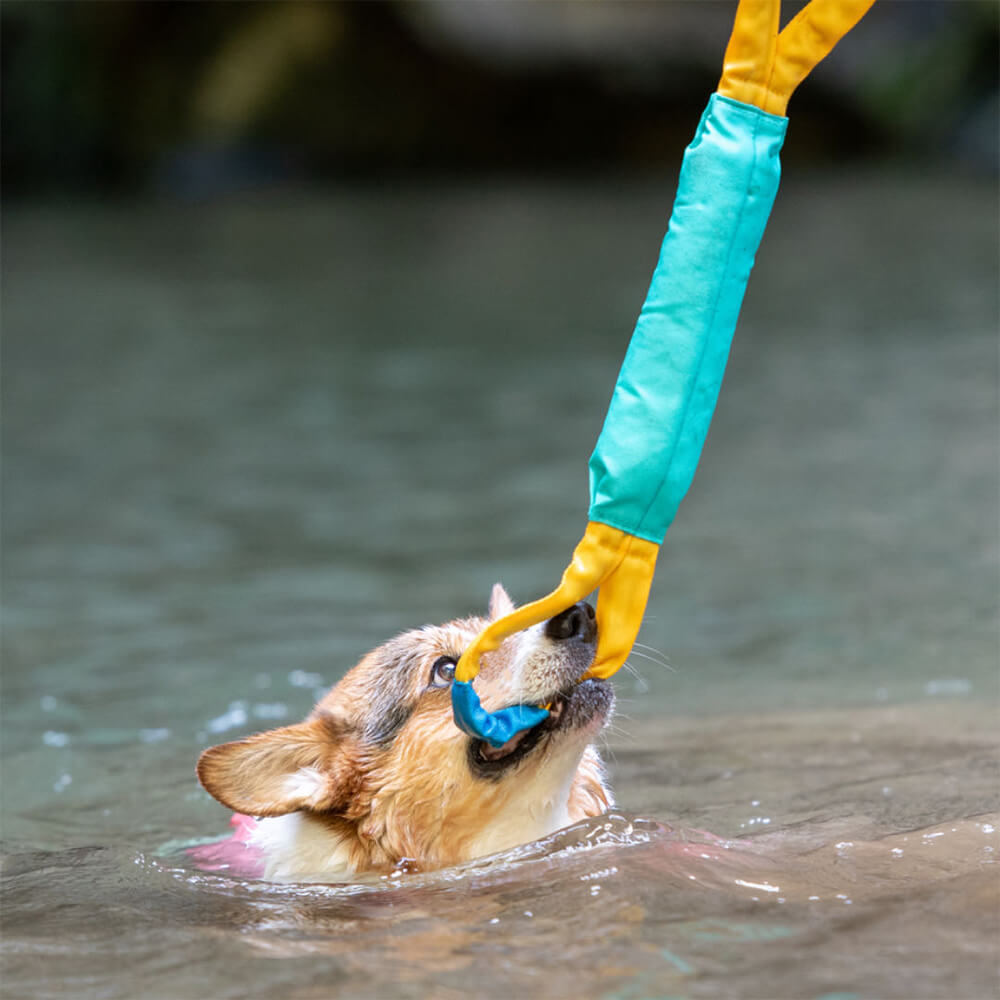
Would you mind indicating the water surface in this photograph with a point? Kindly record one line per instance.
(245, 442)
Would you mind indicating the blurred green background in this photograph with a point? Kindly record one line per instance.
(196, 99)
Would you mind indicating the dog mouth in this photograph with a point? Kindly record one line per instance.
(568, 709)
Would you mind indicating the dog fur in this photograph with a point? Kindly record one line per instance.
(379, 775)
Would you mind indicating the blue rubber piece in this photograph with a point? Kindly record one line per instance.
(494, 727)
(658, 419)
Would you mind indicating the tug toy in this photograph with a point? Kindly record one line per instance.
(662, 404)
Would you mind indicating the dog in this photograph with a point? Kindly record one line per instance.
(379, 776)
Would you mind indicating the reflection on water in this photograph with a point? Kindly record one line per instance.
(245, 443)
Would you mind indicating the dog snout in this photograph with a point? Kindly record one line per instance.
(577, 622)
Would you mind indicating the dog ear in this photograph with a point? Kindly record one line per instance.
(500, 602)
(306, 766)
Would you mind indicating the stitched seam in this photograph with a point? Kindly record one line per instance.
(773, 67)
(633, 531)
(711, 325)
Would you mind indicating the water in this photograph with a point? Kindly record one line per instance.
(243, 443)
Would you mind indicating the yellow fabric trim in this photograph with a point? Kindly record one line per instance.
(617, 562)
(763, 67)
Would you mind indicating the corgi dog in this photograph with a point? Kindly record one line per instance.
(379, 774)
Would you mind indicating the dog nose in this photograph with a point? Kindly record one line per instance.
(577, 622)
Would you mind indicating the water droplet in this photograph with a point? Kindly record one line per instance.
(236, 716)
(53, 739)
(301, 679)
(766, 886)
(948, 685)
(270, 710)
(49, 704)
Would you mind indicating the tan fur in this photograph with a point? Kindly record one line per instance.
(364, 800)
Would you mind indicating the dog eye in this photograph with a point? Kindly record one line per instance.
(443, 671)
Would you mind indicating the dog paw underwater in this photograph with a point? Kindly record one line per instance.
(379, 776)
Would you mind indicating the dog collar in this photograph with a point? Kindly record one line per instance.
(496, 728)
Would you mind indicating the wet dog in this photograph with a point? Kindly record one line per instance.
(379, 775)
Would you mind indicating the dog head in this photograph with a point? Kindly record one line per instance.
(381, 766)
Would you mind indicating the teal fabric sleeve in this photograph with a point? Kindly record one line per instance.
(658, 419)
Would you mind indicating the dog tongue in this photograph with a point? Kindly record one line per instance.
(495, 753)
(234, 854)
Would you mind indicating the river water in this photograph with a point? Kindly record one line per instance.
(244, 442)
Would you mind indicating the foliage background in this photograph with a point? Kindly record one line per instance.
(195, 99)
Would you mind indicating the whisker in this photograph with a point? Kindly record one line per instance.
(653, 659)
(632, 670)
(621, 715)
(651, 649)
(640, 682)
(614, 731)
(653, 655)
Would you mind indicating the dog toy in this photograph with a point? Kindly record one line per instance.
(667, 388)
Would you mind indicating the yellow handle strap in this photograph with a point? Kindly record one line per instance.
(763, 67)
(620, 564)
